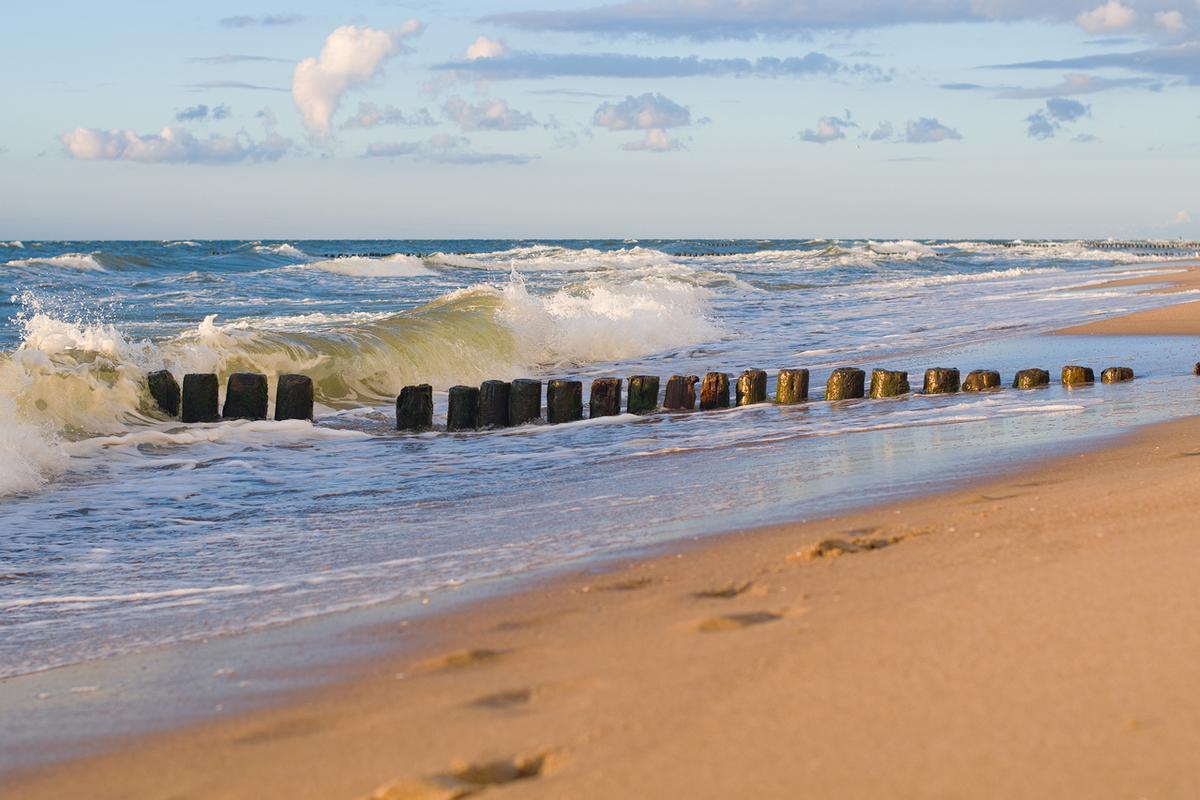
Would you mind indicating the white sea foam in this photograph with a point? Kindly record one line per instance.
(283, 249)
(14, 243)
(80, 261)
(394, 266)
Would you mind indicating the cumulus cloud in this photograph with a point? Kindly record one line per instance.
(264, 20)
(370, 115)
(750, 19)
(489, 115)
(647, 112)
(351, 57)
(202, 113)
(1047, 121)
(526, 65)
(172, 145)
(1112, 16)
(1171, 21)
(927, 130)
(443, 149)
(829, 129)
(882, 133)
(652, 113)
(483, 47)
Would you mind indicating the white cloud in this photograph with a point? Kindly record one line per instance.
(483, 47)
(656, 141)
(646, 112)
(1170, 21)
(490, 115)
(352, 56)
(829, 129)
(928, 130)
(172, 145)
(1112, 16)
(1182, 217)
(370, 115)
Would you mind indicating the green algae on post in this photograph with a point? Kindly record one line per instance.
(888, 383)
(1031, 379)
(941, 380)
(643, 394)
(1074, 375)
(845, 383)
(981, 380)
(792, 386)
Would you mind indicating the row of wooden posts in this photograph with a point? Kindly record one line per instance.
(502, 404)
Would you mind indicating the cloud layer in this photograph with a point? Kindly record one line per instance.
(172, 145)
(651, 112)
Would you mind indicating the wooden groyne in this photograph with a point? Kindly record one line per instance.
(498, 404)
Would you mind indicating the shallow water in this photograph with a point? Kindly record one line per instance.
(126, 531)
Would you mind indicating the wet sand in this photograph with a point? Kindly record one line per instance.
(1028, 636)
(1182, 319)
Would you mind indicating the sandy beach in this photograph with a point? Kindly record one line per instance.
(1027, 636)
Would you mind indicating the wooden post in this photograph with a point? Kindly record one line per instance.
(643, 394)
(752, 387)
(462, 413)
(605, 398)
(1073, 375)
(845, 383)
(493, 404)
(414, 408)
(714, 391)
(200, 398)
(165, 391)
(1116, 375)
(792, 386)
(1031, 379)
(941, 380)
(293, 397)
(564, 401)
(1196, 369)
(981, 380)
(524, 401)
(888, 383)
(681, 393)
(245, 396)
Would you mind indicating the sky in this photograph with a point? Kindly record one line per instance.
(297, 119)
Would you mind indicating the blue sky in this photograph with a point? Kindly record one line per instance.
(758, 118)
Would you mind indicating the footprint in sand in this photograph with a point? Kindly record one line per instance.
(511, 698)
(461, 659)
(465, 780)
(734, 622)
(628, 585)
(727, 592)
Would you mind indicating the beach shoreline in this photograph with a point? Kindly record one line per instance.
(941, 645)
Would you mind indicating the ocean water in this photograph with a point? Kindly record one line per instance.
(122, 530)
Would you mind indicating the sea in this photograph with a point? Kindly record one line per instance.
(123, 531)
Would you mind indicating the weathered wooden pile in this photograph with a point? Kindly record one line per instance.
(245, 396)
(503, 404)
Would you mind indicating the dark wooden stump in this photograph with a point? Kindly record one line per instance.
(294, 397)
(564, 401)
(681, 393)
(845, 383)
(941, 380)
(245, 396)
(889, 383)
(165, 391)
(200, 398)
(714, 391)
(643, 394)
(1074, 375)
(751, 387)
(981, 380)
(1196, 369)
(1031, 379)
(493, 404)
(1116, 375)
(524, 401)
(414, 408)
(792, 386)
(605, 398)
(462, 412)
